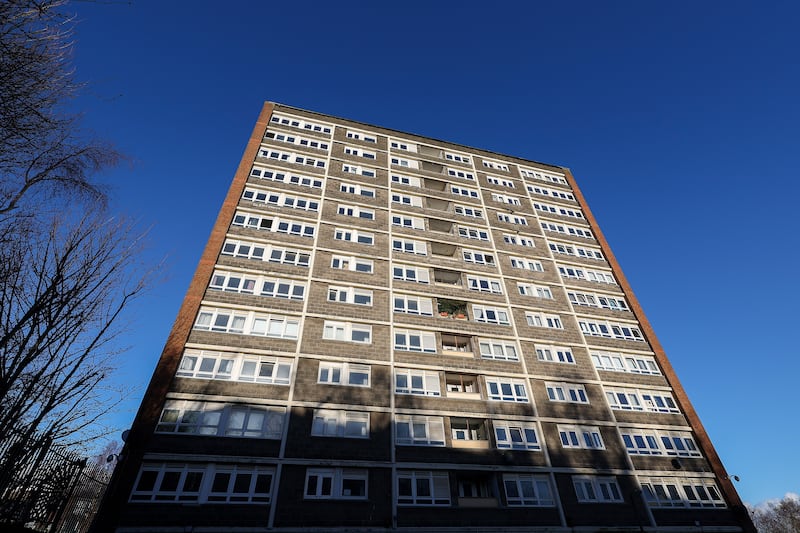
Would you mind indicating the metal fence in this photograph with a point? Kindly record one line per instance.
(47, 487)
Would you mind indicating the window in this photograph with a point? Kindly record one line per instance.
(526, 264)
(457, 157)
(544, 191)
(351, 235)
(542, 320)
(516, 436)
(473, 233)
(464, 191)
(566, 392)
(347, 424)
(518, 240)
(205, 364)
(457, 173)
(495, 165)
(467, 429)
(681, 492)
(539, 175)
(641, 400)
(407, 199)
(481, 284)
(528, 490)
(410, 246)
(554, 354)
(506, 390)
(347, 331)
(343, 374)
(640, 441)
(281, 288)
(209, 483)
(415, 487)
(260, 252)
(401, 162)
(413, 305)
(557, 210)
(291, 157)
(498, 349)
(477, 257)
(406, 180)
(408, 222)
(419, 430)
(285, 177)
(403, 145)
(512, 219)
(567, 230)
(350, 295)
(501, 182)
(247, 323)
(411, 273)
(336, 484)
(589, 299)
(358, 152)
(357, 169)
(584, 437)
(601, 328)
(619, 362)
(536, 291)
(220, 419)
(490, 315)
(505, 199)
(586, 274)
(565, 249)
(412, 381)
(299, 141)
(355, 211)
(233, 282)
(414, 341)
(360, 136)
(356, 264)
(300, 124)
(597, 489)
(274, 224)
(467, 211)
(354, 188)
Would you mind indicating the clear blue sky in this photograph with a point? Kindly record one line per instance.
(678, 119)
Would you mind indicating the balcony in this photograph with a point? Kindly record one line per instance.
(463, 387)
(456, 309)
(458, 345)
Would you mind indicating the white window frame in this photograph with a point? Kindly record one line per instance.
(501, 389)
(600, 301)
(554, 354)
(535, 291)
(411, 340)
(411, 181)
(406, 199)
(506, 199)
(361, 136)
(610, 330)
(300, 124)
(597, 489)
(553, 193)
(357, 189)
(451, 156)
(268, 253)
(219, 419)
(498, 349)
(247, 323)
(367, 172)
(501, 182)
(205, 364)
(512, 219)
(468, 232)
(274, 224)
(491, 315)
(509, 435)
(495, 165)
(340, 423)
(419, 430)
(291, 157)
(409, 246)
(420, 274)
(355, 211)
(625, 362)
(566, 392)
(282, 176)
(360, 152)
(558, 210)
(468, 211)
(597, 276)
(428, 380)
(566, 229)
(350, 295)
(580, 437)
(338, 478)
(483, 284)
(646, 441)
(518, 240)
(352, 263)
(652, 401)
(404, 162)
(344, 374)
(412, 305)
(477, 257)
(543, 320)
(353, 235)
(458, 173)
(438, 488)
(539, 175)
(308, 142)
(526, 264)
(331, 331)
(529, 490)
(464, 191)
(409, 222)
(670, 492)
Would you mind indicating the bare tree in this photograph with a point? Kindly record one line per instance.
(67, 267)
(782, 516)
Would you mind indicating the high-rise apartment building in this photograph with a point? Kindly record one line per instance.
(392, 332)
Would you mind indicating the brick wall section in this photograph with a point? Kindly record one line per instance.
(146, 418)
(702, 438)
